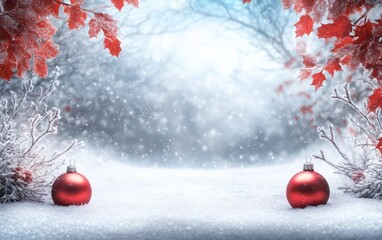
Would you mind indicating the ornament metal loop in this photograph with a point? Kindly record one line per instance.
(71, 167)
(308, 165)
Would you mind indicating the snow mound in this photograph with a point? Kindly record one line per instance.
(148, 203)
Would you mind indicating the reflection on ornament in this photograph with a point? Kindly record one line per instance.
(307, 188)
(71, 188)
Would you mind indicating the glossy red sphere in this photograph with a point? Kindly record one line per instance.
(71, 189)
(307, 188)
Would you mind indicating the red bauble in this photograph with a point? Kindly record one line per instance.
(71, 188)
(307, 188)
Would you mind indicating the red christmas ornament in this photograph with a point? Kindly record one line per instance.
(307, 188)
(71, 188)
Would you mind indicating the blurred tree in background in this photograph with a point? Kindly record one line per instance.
(198, 84)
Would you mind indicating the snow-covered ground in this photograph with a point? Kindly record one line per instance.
(148, 203)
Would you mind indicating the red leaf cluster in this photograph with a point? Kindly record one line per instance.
(26, 32)
(357, 43)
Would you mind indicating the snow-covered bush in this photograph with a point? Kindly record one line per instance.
(364, 163)
(26, 164)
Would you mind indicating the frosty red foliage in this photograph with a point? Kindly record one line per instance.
(357, 42)
(357, 39)
(308, 61)
(26, 32)
(333, 65)
(353, 31)
(108, 25)
(375, 100)
(304, 26)
(76, 15)
(318, 79)
(340, 28)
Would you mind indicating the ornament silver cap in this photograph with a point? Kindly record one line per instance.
(71, 168)
(308, 165)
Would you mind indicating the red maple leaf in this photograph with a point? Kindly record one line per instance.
(55, 9)
(39, 66)
(304, 26)
(46, 50)
(107, 24)
(104, 22)
(113, 44)
(340, 28)
(332, 66)
(76, 15)
(318, 80)
(118, 4)
(308, 61)
(375, 100)
(363, 33)
(342, 42)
